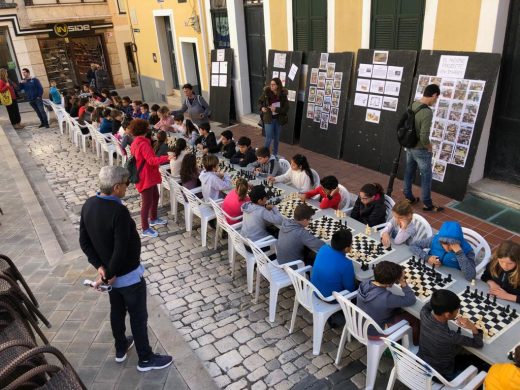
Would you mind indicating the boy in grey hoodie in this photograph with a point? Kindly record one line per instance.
(259, 217)
(382, 305)
(266, 163)
(294, 241)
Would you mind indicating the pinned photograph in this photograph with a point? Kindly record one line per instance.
(324, 58)
(459, 155)
(324, 123)
(365, 70)
(447, 93)
(454, 116)
(331, 66)
(443, 103)
(390, 103)
(435, 80)
(276, 74)
(320, 93)
(317, 114)
(283, 77)
(423, 81)
(327, 100)
(441, 113)
(375, 101)
(474, 96)
(459, 94)
(377, 86)
(379, 71)
(465, 133)
(470, 113)
(338, 77)
(361, 99)
(312, 92)
(314, 76)
(335, 98)
(436, 145)
(394, 73)
(310, 111)
(322, 76)
(439, 125)
(457, 106)
(373, 116)
(380, 57)
(437, 133)
(326, 108)
(448, 83)
(363, 85)
(450, 134)
(392, 88)
(333, 118)
(462, 84)
(328, 87)
(439, 170)
(446, 151)
(477, 85)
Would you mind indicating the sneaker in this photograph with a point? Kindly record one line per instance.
(156, 362)
(158, 222)
(121, 355)
(413, 200)
(433, 208)
(149, 233)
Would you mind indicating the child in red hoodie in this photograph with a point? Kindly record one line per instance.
(328, 190)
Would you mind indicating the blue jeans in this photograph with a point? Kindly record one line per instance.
(272, 134)
(37, 106)
(422, 159)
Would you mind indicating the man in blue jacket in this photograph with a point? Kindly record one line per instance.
(33, 93)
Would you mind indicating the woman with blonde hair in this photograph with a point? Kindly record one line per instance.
(502, 274)
(12, 109)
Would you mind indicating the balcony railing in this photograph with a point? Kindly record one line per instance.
(52, 2)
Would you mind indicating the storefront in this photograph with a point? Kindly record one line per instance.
(7, 55)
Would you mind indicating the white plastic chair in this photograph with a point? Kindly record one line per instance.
(316, 177)
(345, 197)
(307, 295)
(357, 324)
(348, 208)
(389, 203)
(424, 230)
(223, 224)
(415, 373)
(480, 247)
(61, 116)
(105, 146)
(202, 210)
(121, 155)
(284, 164)
(165, 183)
(275, 275)
(177, 197)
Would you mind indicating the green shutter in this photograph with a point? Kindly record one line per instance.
(409, 33)
(310, 25)
(301, 34)
(383, 33)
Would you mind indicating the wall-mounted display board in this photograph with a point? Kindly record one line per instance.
(287, 66)
(325, 105)
(466, 80)
(382, 85)
(220, 85)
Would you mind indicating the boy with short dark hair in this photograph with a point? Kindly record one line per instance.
(206, 141)
(245, 155)
(294, 241)
(266, 162)
(439, 344)
(178, 123)
(154, 117)
(259, 217)
(226, 144)
(127, 106)
(145, 111)
(328, 190)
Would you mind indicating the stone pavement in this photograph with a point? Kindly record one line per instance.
(214, 313)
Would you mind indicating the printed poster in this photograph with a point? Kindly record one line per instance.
(214, 80)
(361, 99)
(223, 67)
(279, 60)
(314, 76)
(365, 70)
(222, 80)
(324, 59)
(380, 57)
(215, 67)
(373, 116)
(292, 72)
(221, 54)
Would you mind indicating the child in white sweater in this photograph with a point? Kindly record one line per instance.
(299, 176)
(401, 229)
(213, 182)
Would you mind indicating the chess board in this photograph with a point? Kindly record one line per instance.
(324, 227)
(423, 279)
(511, 353)
(365, 250)
(493, 318)
(225, 167)
(287, 205)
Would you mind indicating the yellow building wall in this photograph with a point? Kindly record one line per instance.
(278, 19)
(457, 25)
(146, 38)
(348, 25)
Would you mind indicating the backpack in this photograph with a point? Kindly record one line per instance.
(406, 131)
(5, 98)
(200, 104)
(131, 166)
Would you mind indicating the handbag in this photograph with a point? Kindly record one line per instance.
(5, 98)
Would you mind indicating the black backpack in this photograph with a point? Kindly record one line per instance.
(406, 131)
(131, 166)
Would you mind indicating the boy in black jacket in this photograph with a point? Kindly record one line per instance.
(226, 144)
(207, 141)
(246, 154)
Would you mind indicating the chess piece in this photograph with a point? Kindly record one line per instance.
(473, 283)
(368, 230)
(449, 278)
(364, 266)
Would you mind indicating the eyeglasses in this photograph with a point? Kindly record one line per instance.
(274, 85)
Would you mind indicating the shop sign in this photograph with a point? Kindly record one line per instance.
(77, 29)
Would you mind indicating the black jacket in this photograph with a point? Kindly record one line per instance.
(228, 150)
(264, 101)
(503, 281)
(247, 158)
(372, 214)
(209, 142)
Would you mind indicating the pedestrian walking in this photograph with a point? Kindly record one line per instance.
(33, 93)
(12, 109)
(109, 238)
(274, 106)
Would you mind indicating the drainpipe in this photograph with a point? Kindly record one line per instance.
(134, 46)
(204, 44)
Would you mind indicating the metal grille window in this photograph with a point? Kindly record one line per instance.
(220, 22)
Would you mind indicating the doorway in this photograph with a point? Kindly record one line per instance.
(191, 65)
(130, 60)
(255, 38)
(167, 52)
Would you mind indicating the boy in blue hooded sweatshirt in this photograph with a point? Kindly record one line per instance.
(447, 248)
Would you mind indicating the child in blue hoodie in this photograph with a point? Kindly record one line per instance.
(447, 248)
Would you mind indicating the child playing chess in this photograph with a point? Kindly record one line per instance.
(438, 345)
(207, 143)
(328, 190)
(401, 229)
(448, 248)
(384, 307)
(294, 241)
(179, 151)
(166, 121)
(502, 274)
(213, 182)
(300, 175)
(234, 200)
(259, 219)
(226, 144)
(266, 163)
(245, 155)
(503, 376)
(370, 208)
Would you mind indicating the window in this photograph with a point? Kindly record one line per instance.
(310, 25)
(220, 23)
(121, 6)
(397, 24)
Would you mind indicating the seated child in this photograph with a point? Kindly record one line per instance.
(226, 144)
(375, 298)
(235, 199)
(136, 109)
(448, 248)
(401, 229)
(165, 120)
(502, 273)
(154, 117)
(328, 190)
(179, 152)
(126, 138)
(178, 123)
(106, 99)
(245, 155)
(106, 123)
(294, 241)
(54, 93)
(117, 119)
(438, 345)
(189, 172)
(127, 106)
(299, 176)
(191, 133)
(370, 208)
(503, 376)
(213, 182)
(266, 163)
(145, 111)
(160, 146)
(206, 142)
(259, 218)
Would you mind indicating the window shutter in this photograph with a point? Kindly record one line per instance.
(301, 34)
(319, 34)
(409, 33)
(310, 25)
(383, 33)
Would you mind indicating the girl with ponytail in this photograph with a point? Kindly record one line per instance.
(300, 175)
(235, 199)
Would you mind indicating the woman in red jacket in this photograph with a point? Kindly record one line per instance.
(147, 164)
(12, 109)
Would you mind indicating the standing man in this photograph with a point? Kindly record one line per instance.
(420, 156)
(91, 75)
(109, 238)
(102, 79)
(33, 93)
(197, 108)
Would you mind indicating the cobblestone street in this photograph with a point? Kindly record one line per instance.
(213, 311)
